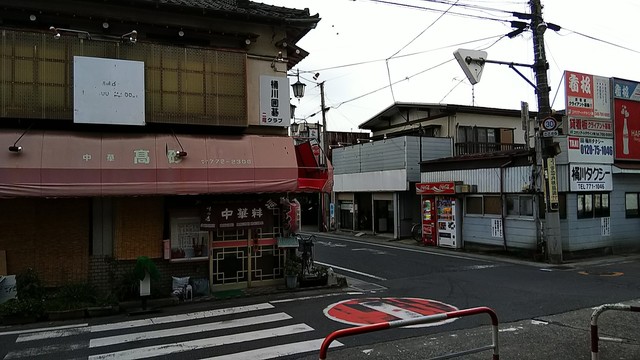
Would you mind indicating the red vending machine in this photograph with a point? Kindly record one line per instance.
(429, 235)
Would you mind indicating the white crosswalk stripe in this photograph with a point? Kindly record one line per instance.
(137, 339)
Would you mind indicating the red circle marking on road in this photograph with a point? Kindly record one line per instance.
(376, 310)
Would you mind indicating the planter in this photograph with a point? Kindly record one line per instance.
(97, 311)
(19, 319)
(66, 314)
(291, 281)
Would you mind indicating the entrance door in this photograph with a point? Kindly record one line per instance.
(383, 212)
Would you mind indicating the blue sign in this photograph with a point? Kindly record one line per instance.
(625, 89)
(331, 210)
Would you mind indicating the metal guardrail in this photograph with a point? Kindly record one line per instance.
(421, 320)
(594, 323)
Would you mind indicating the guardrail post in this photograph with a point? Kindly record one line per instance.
(420, 320)
(594, 323)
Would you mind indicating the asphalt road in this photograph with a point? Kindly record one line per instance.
(544, 312)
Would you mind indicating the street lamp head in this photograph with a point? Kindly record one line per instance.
(298, 89)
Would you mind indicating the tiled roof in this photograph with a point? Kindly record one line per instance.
(239, 7)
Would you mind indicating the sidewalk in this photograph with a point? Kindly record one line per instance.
(557, 337)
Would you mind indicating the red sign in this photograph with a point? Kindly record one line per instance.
(579, 93)
(376, 310)
(436, 188)
(627, 129)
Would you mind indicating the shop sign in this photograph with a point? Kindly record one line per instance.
(274, 101)
(589, 150)
(436, 188)
(590, 177)
(587, 95)
(229, 216)
(590, 127)
(552, 183)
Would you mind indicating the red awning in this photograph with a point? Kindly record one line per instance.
(56, 164)
(312, 176)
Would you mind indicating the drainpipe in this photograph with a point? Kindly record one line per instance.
(503, 197)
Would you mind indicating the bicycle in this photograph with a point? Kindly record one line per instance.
(306, 248)
(416, 232)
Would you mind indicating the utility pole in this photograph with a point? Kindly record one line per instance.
(325, 155)
(552, 236)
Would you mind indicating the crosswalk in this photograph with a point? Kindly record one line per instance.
(263, 331)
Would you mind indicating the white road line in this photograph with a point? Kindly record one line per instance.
(143, 322)
(165, 349)
(277, 351)
(44, 350)
(314, 297)
(228, 324)
(351, 271)
(395, 311)
(16, 332)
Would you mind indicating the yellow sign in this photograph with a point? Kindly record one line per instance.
(552, 183)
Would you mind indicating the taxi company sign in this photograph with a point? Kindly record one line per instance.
(590, 150)
(590, 177)
(436, 188)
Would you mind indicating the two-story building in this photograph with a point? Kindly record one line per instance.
(159, 129)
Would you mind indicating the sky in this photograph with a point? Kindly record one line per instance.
(360, 47)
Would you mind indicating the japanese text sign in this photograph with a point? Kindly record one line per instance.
(233, 215)
(626, 90)
(275, 109)
(587, 95)
(589, 150)
(589, 127)
(590, 177)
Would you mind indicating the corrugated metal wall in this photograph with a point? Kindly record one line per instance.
(487, 180)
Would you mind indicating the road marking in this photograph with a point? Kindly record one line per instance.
(373, 251)
(165, 349)
(44, 350)
(143, 322)
(16, 332)
(330, 244)
(392, 310)
(351, 271)
(313, 297)
(277, 351)
(219, 325)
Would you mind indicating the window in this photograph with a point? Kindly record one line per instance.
(519, 205)
(631, 205)
(483, 205)
(593, 205)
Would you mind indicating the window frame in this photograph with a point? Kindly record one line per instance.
(483, 205)
(592, 205)
(627, 213)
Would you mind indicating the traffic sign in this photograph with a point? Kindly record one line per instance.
(375, 310)
(549, 123)
(550, 133)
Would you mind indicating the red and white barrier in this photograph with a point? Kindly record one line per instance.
(594, 323)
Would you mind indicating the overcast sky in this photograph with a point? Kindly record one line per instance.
(413, 48)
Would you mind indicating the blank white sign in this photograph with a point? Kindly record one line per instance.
(108, 91)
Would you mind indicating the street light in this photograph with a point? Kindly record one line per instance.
(298, 88)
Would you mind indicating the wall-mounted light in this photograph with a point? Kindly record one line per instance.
(181, 33)
(57, 32)
(15, 147)
(247, 41)
(131, 36)
(32, 17)
(105, 25)
(279, 58)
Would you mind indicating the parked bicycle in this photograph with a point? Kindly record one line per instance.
(305, 246)
(416, 232)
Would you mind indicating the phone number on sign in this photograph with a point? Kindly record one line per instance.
(226, 162)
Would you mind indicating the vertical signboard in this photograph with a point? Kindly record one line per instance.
(626, 115)
(275, 108)
(552, 184)
(587, 95)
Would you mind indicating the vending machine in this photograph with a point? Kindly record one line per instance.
(429, 235)
(440, 214)
(447, 216)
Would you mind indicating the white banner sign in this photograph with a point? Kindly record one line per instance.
(589, 150)
(275, 109)
(589, 127)
(108, 91)
(605, 226)
(496, 228)
(590, 177)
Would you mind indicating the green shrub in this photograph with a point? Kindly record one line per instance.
(72, 296)
(22, 308)
(29, 285)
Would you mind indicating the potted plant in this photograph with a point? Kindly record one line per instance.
(145, 271)
(292, 269)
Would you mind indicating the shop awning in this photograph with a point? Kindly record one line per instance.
(57, 164)
(311, 175)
